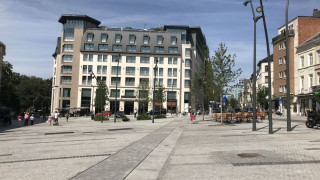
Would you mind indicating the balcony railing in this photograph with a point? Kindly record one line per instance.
(282, 35)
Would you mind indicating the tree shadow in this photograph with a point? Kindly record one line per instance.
(261, 128)
(276, 130)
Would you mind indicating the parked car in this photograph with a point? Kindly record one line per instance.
(119, 114)
(106, 113)
(157, 112)
(236, 110)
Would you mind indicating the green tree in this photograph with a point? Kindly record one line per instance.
(234, 103)
(223, 70)
(143, 96)
(262, 97)
(202, 81)
(102, 92)
(160, 95)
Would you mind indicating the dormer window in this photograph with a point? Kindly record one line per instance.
(104, 37)
(173, 40)
(118, 38)
(132, 39)
(90, 37)
(146, 39)
(159, 40)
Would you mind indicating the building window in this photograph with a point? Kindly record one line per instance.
(66, 69)
(86, 69)
(172, 83)
(66, 92)
(169, 72)
(175, 72)
(117, 48)
(175, 61)
(90, 37)
(281, 89)
(102, 78)
(301, 82)
(144, 71)
(65, 103)
(187, 83)
(131, 59)
(145, 60)
(284, 74)
(116, 58)
(68, 48)
(159, 49)
(266, 69)
(130, 70)
(159, 40)
(118, 38)
(301, 61)
(281, 60)
(187, 73)
(146, 39)
(158, 81)
(284, 60)
(69, 34)
(310, 80)
(67, 58)
(188, 63)
(114, 70)
(318, 52)
(104, 69)
(129, 93)
(173, 40)
(188, 52)
(160, 72)
(115, 93)
(88, 57)
(88, 46)
(103, 58)
(145, 48)
(266, 79)
(130, 81)
(173, 49)
(65, 79)
(103, 47)
(104, 38)
(160, 60)
(280, 74)
(131, 48)
(115, 80)
(144, 81)
(169, 60)
(318, 78)
(99, 70)
(132, 39)
(310, 59)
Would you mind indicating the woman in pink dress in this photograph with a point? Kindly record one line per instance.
(192, 115)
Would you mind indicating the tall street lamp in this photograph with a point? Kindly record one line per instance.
(93, 76)
(154, 88)
(172, 95)
(115, 104)
(287, 71)
(255, 19)
(260, 9)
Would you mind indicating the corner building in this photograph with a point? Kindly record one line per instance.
(84, 46)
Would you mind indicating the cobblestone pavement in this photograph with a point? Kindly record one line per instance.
(171, 148)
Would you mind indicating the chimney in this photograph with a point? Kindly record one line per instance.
(316, 13)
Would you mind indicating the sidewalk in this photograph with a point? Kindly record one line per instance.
(171, 148)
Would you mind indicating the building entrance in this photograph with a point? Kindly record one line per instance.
(128, 107)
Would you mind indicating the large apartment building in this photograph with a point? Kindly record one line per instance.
(84, 46)
(301, 29)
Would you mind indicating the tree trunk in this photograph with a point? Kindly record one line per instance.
(221, 107)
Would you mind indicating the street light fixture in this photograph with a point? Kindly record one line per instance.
(255, 19)
(287, 71)
(172, 95)
(154, 88)
(93, 76)
(115, 104)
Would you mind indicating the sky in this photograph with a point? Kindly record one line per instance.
(29, 28)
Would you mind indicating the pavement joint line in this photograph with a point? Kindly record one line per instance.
(54, 158)
(70, 141)
(125, 148)
(276, 163)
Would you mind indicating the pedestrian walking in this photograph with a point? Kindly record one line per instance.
(56, 115)
(67, 116)
(135, 113)
(19, 120)
(26, 119)
(192, 115)
(43, 117)
(32, 119)
(49, 119)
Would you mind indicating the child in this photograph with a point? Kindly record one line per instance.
(49, 119)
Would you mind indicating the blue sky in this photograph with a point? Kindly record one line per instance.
(29, 28)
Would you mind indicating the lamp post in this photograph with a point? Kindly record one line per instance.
(255, 19)
(172, 95)
(93, 76)
(154, 88)
(115, 104)
(260, 9)
(287, 71)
